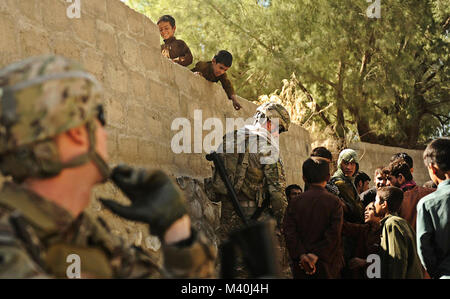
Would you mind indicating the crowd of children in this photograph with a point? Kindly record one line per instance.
(332, 234)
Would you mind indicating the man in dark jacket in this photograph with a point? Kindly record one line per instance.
(344, 178)
(313, 226)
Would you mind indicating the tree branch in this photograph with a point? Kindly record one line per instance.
(432, 105)
(242, 29)
(318, 109)
(443, 119)
(385, 110)
(322, 80)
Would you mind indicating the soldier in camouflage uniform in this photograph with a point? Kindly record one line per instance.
(53, 145)
(251, 158)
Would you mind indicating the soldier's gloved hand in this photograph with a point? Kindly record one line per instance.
(156, 200)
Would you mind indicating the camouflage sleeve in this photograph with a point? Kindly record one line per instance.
(194, 258)
(15, 261)
(276, 184)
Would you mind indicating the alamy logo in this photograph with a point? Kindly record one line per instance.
(374, 268)
(74, 269)
(374, 9)
(74, 10)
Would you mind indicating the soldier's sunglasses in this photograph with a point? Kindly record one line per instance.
(101, 115)
(281, 129)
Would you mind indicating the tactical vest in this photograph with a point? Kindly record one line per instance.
(246, 176)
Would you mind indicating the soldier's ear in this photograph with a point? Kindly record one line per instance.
(72, 143)
(78, 135)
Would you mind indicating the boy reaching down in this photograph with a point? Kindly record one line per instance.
(174, 49)
(215, 71)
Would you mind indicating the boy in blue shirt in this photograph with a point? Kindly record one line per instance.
(433, 212)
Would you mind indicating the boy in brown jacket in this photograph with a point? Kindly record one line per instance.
(174, 49)
(215, 71)
(313, 226)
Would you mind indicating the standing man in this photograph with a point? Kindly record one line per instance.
(433, 212)
(252, 162)
(400, 176)
(313, 226)
(344, 179)
(53, 145)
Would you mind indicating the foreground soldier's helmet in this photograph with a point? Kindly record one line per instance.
(40, 98)
(272, 110)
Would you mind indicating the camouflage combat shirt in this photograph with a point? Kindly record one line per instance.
(37, 237)
(263, 177)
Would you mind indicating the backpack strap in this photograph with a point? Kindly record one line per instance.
(241, 169)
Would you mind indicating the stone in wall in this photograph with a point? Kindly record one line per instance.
(205, 214)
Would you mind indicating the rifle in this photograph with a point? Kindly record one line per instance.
(255, 241)
(218, 163)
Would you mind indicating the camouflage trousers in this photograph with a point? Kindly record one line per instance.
(230, 222)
